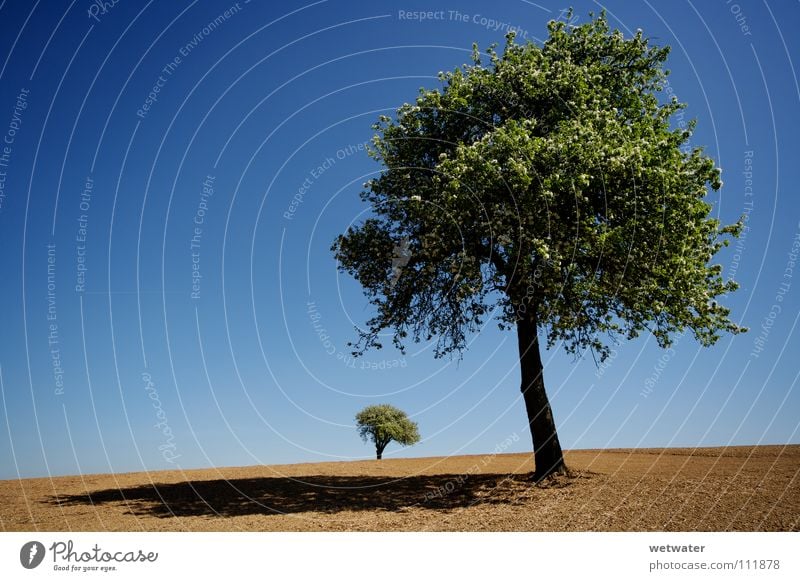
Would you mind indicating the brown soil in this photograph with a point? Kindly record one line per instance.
(706, 489)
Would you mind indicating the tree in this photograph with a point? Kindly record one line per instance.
(546, 190)
(384, 423)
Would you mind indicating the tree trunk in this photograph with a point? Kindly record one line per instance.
(379, 454)
(546, 447)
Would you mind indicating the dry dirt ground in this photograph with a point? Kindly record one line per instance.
(705, 489)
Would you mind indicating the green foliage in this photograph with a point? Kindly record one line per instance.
(383, 424)
(549, 180)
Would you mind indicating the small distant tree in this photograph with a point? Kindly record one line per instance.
(384, 423)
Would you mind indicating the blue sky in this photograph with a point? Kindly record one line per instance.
(166, 303)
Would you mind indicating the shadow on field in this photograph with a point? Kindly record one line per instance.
(330, 494)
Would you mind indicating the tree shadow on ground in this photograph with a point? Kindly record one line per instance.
(327, 494)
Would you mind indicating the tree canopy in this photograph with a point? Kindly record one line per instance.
(553, 174)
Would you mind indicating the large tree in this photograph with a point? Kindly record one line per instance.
(547, 189)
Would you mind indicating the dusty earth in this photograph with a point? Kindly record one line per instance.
(706, 489)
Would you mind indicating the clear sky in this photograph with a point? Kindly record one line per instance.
(172, 175)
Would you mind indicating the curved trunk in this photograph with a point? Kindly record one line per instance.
(546, 447)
